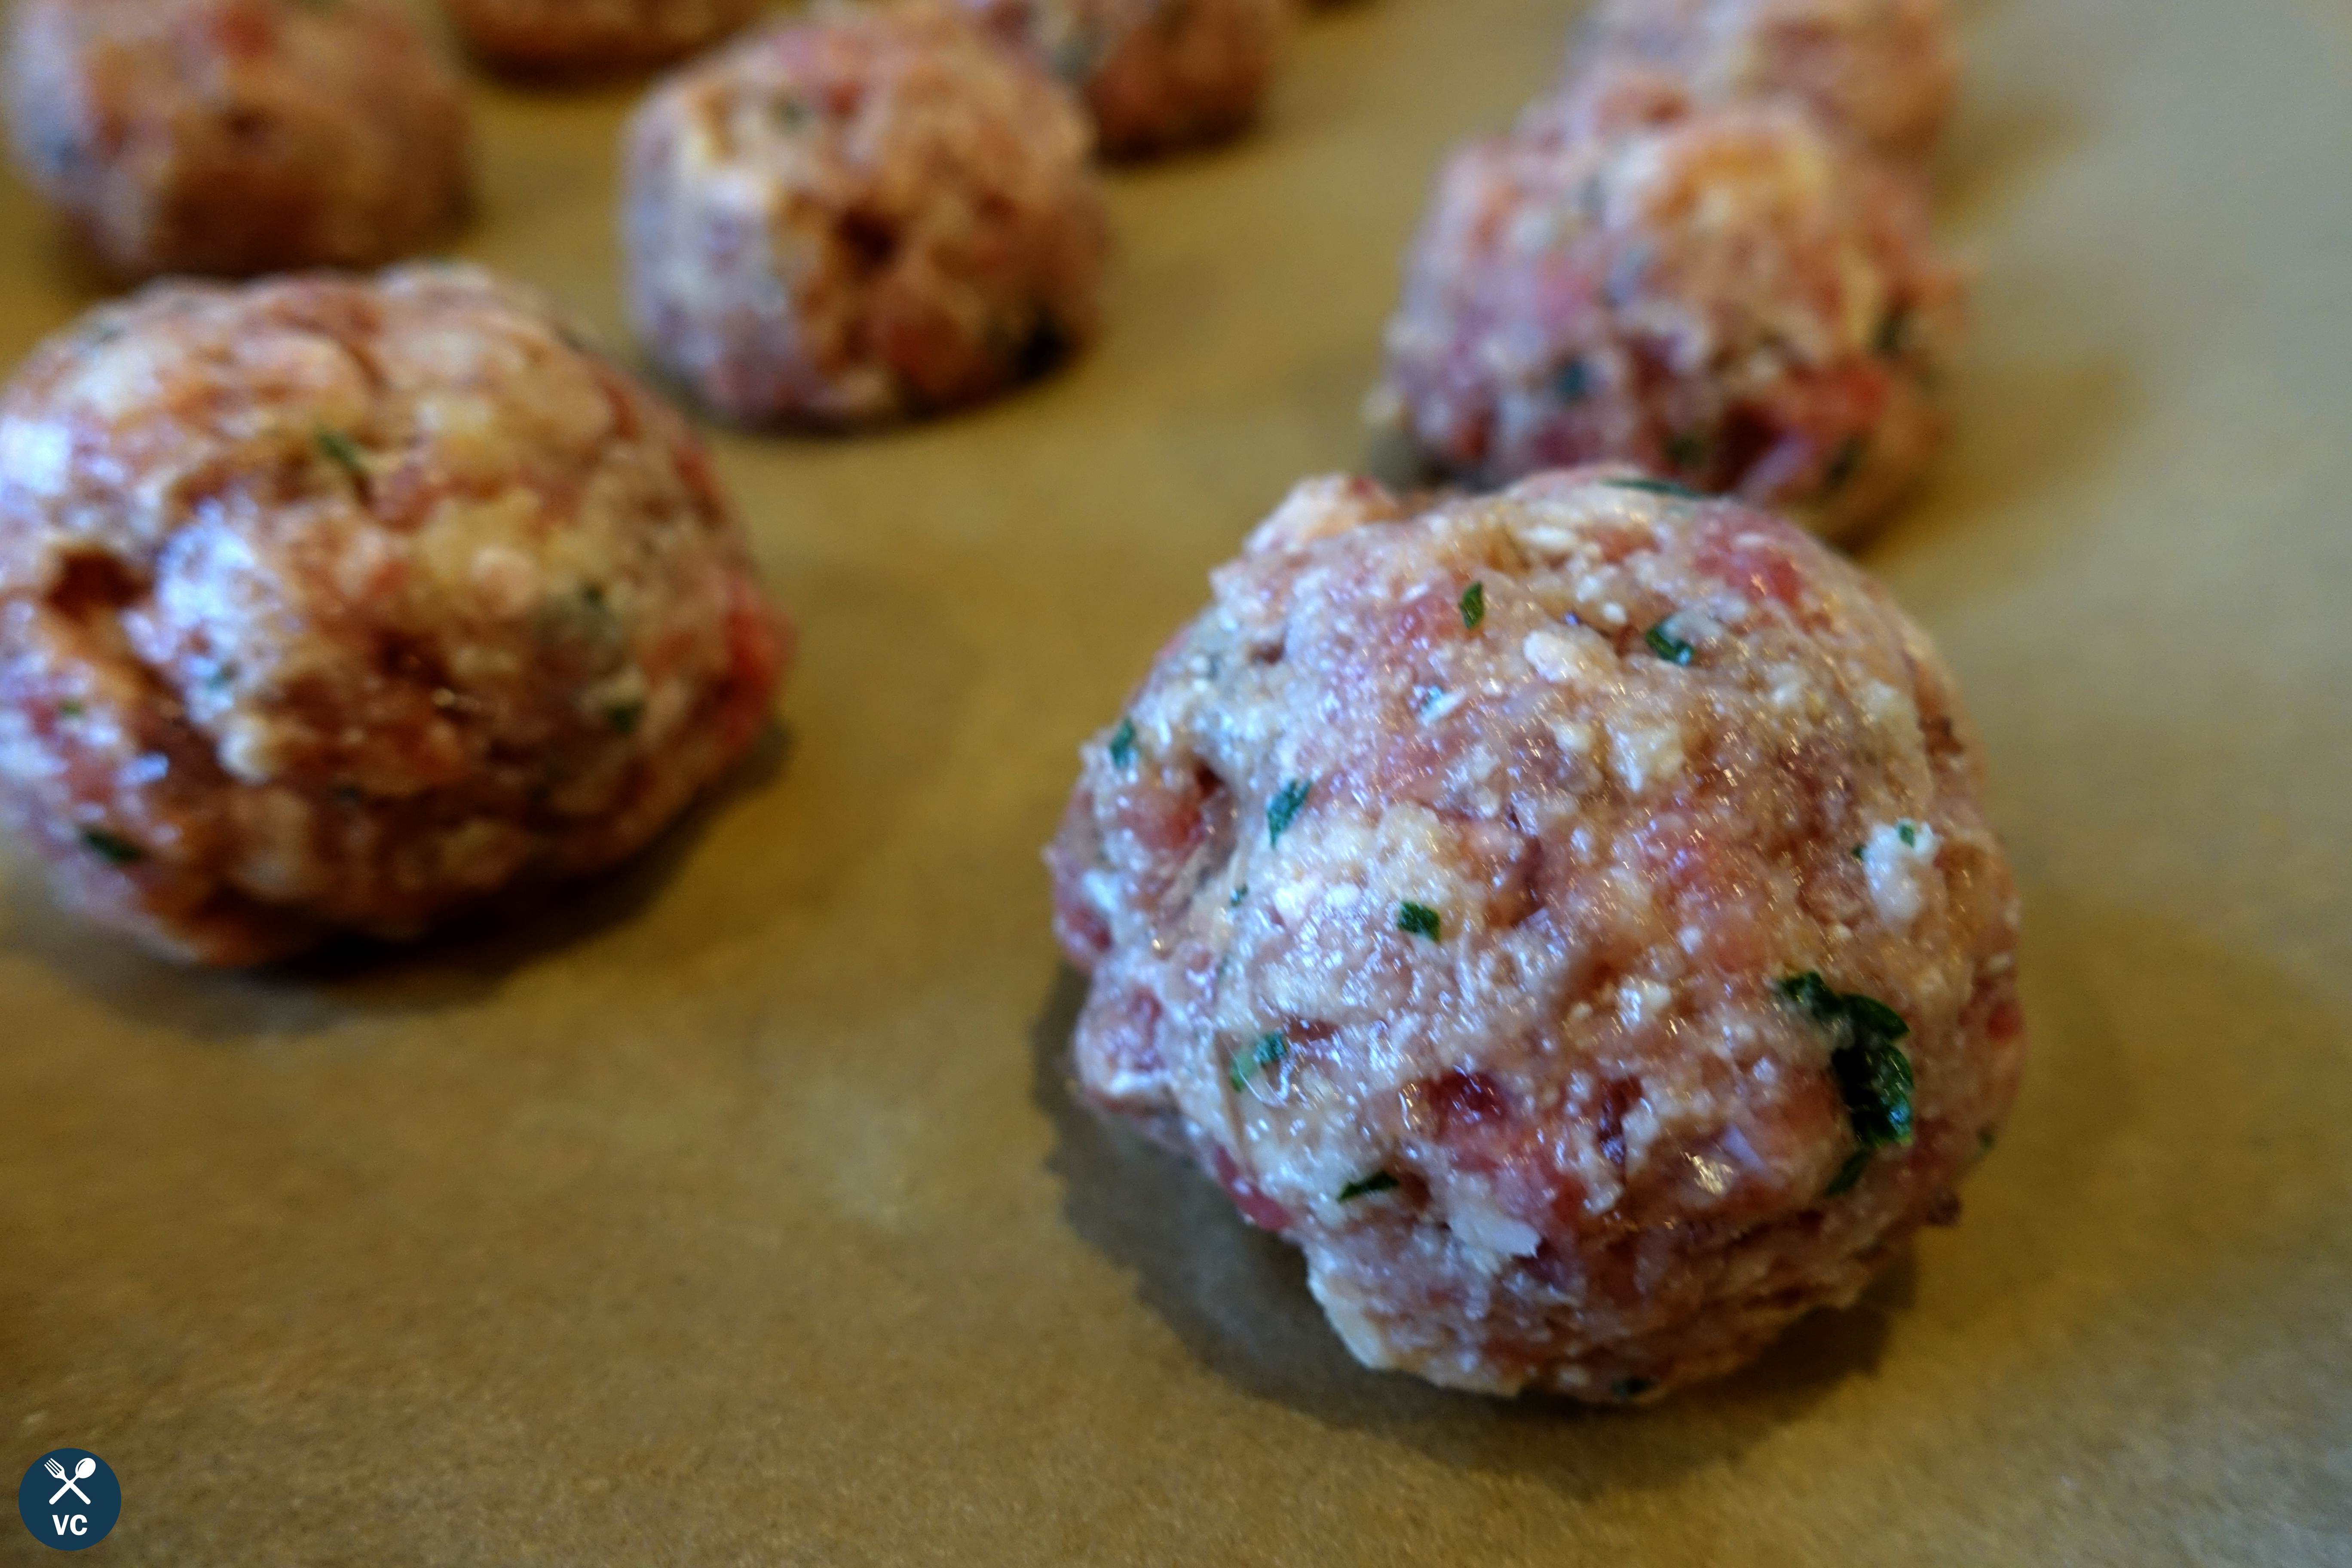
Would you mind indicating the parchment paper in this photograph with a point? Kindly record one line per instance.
(735, 1213)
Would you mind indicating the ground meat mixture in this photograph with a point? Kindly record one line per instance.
(860, 220)
(1568, 916)
(1158, 74)
(236, 136)
(1886, 71)
(593, 36)
(1736, 297)
(334, 605)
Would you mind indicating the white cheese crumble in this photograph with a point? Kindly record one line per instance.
(1643, 755)
(37, 453)
(1491, 1232)
(1565, 656)
(1641, 999)
(1896, 858)
(1574, 738)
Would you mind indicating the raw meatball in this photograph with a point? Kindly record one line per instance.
(1884, 70)
(335, 604)
(567, 36)
(236, 136)
(1568, 916)
(859, 219)
(1734, 298)
(1158, 74)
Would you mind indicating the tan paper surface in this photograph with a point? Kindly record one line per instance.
(736, 1214)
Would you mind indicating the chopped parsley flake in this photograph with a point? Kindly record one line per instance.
(1631, 1387)
(112, 848)
(1667, 645)
(625, 717)
(1239, 894)
(69, 710)
(1122, 743)
(343, 452)
(1844, 465)
(1686, 451)
(1909, 832)
(1860, 852)
(1895, 331)
(1285, 807)
(1418, 920)
(1474, 605)
(1262, 1057)
(1656, 487)
(1848, 1174)
(1574, 382)
(1874, 1075)
(1365, 1186)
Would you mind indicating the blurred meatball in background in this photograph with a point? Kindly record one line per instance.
(859, 219)
(1739, 299)
(236, 136)
(1157, 75)
(593, 38)
(1884, 71)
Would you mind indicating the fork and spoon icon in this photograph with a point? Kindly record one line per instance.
(82, 1472)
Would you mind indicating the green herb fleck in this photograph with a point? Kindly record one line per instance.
(1874, 1075)
(1574, 382)
(1418, 920)
(1895, 332)
(1239, 894)
(1844, 465)
(1284, 808)
(791, 113)
(1365, 1186)
(1667, 645)
(1474, 605)
(1122, 743)
(1909, 832)
(343, 452)
(1657, 487)
(1262, 1057)
(1860, 852)
(1073, 59)
(625, 717)
(112, 847)
(69, 710)
(1848, 1174)
(1631, 1387)
(1985, 1142)
(1686, 451)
